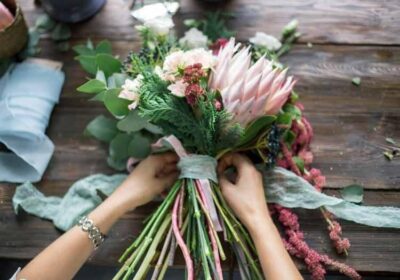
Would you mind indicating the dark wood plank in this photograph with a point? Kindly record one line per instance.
(24, 236)
(346, 22)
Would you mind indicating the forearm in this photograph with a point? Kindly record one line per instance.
(275, 260)
(65, 256)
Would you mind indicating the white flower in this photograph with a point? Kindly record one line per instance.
(178, 88)
(160, 25)
(156, 10)
(205, 57)
(130, 91)
(173, 62)
(265, 40)
(290, 27)
(194, 38)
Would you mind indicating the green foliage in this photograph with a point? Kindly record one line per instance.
(92, 86)
(353, 193)
(214, 25)
(102, 128)
(61, 32)
(201, 129)
(97, 58)
(255, 128)
(115, 105)
(299, 163)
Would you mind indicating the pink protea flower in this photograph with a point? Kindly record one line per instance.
(249, 90)
(218, 45)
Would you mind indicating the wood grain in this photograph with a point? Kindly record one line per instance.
(321, 21)
(352, 38)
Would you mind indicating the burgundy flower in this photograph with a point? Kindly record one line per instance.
(193, 73)
(218, 45)
(192, 93)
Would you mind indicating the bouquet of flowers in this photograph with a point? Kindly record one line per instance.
(204, 96)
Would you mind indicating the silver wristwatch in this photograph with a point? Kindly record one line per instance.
(93, 231)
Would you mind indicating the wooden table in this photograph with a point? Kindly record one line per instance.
(349, 38)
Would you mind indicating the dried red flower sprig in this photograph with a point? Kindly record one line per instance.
(192, 93)
(296, 246)
(193, 73)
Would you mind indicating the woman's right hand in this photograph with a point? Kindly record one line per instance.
(245, 193)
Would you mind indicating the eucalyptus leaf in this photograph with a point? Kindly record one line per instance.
(108, 64)
(289, 137)
(119, 165)
(153, 128)
(45, 23)
(83, 50)
(353, 193)
(119, 146)
(284, 119)
(89, 44)
(101, 77)
(88, 63)
(255, 128)
(117, 80)
(92, 86)
(99, 97)
(117, 106)
(102, 128)
(104, 47)
(132, 122)
(61, 32)
(139, 147)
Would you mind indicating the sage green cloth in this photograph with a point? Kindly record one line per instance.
(83, 196)
(282, 187)
(198, 167)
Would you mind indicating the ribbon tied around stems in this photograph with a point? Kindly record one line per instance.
(201, 168)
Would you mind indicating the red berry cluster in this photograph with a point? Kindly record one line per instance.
(192, 75)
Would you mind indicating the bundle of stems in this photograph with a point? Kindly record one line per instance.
(183, 219)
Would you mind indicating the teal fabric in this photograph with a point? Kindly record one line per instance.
(198, 167)
(83, 196)
(281, 186)
(28, 93)
(289, 190)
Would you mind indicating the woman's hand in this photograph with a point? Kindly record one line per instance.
(150, 178)
(245, 193)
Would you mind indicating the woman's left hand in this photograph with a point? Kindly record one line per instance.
(150, 178)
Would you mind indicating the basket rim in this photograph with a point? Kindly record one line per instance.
(18, 15)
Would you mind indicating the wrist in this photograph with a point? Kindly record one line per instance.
(258, 220)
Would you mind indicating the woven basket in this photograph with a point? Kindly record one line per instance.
(14, 38)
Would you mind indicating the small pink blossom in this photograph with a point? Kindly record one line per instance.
(178, 88)
(130, 91)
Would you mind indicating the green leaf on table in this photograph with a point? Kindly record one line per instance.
(132, 122)
(89, 44)
(254, 129)
(104, 47)
(391, 141)
(108, 64)
(353, 193)
(83, 50)
(119, 146)
(139, 147)
(389, 155)
(356, 81)
(88, 63)
(61, 32)
(45, 23)
(293, 111)
(102, 128)
(299, 163)
(92, 86)
(117, 106)
(63, 46)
